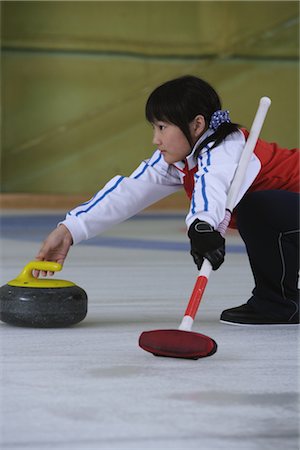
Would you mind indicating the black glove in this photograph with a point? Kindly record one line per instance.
(206, 243)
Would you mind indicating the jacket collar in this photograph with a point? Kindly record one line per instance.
(207, 133)
(190, 160)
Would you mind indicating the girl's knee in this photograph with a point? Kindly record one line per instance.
(269, 210)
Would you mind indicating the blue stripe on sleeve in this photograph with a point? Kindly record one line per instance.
(146, 167)
(84, 203)
(156, 161)
(193, 208)
(203, 190)
(208, 157)
(141, 173)
(100, 198)
(203, 182)
(193, 203)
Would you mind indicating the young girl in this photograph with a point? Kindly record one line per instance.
(198, 148)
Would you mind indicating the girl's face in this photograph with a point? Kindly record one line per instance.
(172, 142)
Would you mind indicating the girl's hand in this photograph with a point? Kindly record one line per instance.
(55, 248)
(206, 243)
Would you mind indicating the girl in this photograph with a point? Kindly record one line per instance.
(198, 148)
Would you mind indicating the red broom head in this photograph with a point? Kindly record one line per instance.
(177, 344)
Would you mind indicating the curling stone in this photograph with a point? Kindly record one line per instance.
(44, 303)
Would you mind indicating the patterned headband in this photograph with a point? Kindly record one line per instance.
(218, 118)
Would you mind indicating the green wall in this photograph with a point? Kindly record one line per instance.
(76, 75)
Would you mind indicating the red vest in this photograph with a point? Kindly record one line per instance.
(279, 170)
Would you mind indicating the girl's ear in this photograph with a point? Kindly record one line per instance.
(198, 126)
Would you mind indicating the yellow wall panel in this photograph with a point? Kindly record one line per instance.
(76, 76)
(164, 28)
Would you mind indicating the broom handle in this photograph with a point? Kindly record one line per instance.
(202, 279)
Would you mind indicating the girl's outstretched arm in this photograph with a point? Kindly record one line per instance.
(121, 198)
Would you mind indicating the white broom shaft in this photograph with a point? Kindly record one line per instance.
(254, 133)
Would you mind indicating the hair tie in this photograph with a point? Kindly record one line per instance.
(218, 118)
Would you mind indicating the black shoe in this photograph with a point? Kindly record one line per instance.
(246, 315)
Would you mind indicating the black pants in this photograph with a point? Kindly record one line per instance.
(268, 222)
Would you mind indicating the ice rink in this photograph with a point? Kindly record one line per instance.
(91, 387)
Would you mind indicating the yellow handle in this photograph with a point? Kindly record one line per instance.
(47, 266)
(26, 279)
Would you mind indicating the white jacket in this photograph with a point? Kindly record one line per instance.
(123, 197)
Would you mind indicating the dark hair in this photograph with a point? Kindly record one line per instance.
(180, 100)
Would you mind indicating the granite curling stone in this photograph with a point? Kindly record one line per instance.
(43, 303)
